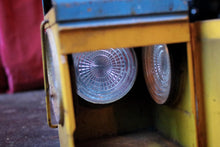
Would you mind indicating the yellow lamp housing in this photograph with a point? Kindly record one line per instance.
(135, 119)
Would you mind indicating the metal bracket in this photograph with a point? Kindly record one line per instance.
(46, 84)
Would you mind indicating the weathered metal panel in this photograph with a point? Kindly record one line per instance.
(209, 41)
(90, 39)
(90, 9)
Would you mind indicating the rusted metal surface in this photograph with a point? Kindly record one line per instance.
(112, 32)
(199, 84)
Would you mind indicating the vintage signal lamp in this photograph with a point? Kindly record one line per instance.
(104, 62)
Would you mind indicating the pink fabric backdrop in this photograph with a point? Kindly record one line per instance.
(20, 48)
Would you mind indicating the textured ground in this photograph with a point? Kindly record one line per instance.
(23, 124)
(23, 121)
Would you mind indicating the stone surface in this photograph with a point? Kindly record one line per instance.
(23, 121)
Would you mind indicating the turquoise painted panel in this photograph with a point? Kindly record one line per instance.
(73, 10)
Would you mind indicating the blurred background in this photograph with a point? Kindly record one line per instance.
(22, 114)
(20, 48)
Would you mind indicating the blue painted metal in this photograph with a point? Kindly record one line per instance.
(74, 10)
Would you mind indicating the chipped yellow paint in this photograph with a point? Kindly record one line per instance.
(177, 123)
(69, 115)
(80, 40)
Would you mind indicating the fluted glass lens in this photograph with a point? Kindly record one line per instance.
(105, 76)
(157, 69)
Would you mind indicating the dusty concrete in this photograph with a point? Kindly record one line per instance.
(23, 121)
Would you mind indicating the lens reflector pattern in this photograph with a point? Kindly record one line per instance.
(105, 76)
(157, 71)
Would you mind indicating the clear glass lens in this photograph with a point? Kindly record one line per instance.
(54, 75)
(157, 70)
(105, 76)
